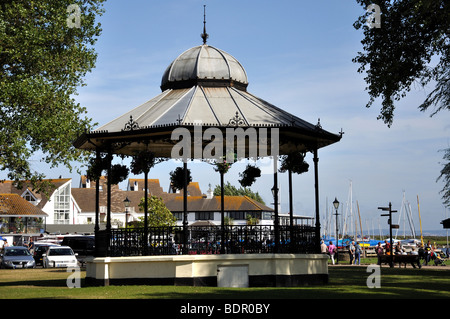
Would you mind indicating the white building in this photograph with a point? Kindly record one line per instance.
(58, 204)
(201, 207)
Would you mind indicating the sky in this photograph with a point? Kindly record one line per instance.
(298, 56)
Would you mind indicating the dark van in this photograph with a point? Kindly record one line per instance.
(81, 245)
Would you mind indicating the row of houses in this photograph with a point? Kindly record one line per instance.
(24, 210)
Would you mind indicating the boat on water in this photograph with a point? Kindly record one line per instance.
(367, 242)
(346, 242)
(410, 243)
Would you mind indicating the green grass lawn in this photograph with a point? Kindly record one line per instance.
(344, 282)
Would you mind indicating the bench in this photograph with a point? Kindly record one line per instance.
(401, 259)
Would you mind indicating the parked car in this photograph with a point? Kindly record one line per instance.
(17, 257)
(39, 249)
(81, 245)
(59, 256)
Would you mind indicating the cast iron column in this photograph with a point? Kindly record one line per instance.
(185, 221)
(316, 187)
(275, 197)
(108, 202)
(291, 213)
(222, 214)
(146, 212)
(97, 207)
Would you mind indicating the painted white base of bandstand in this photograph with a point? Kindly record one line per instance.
(254, 270)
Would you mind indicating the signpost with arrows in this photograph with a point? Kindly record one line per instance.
(391, 226)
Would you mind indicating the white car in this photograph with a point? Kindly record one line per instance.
(59, 256)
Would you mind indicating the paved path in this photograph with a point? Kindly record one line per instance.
(396, 266)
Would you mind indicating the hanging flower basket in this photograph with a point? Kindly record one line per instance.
(142, 162)
(222, 167)
(177, 178)
(96, 166)
(249, 175)
(119, 173)
(295, 162)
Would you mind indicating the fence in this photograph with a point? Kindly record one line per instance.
(241, 239)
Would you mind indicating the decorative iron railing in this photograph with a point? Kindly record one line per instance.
(240, 239)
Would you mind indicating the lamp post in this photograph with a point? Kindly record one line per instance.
(336, 207)
(126, 203)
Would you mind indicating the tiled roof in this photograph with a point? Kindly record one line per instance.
(153, 185)
(9, 187)
(85, 198)
(12, 205)
(202, 204)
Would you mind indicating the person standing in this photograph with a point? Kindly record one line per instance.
(398, 248)
(379, 252)
(387, 247)
(323, 247)
(332, 251)
(427, 252)
(31, 246)
(357, 253)
(351, 251)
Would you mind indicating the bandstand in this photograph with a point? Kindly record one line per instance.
(205, 112)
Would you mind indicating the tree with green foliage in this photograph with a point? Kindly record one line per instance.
(158, 214)
(410, 48)
(445, 175)
(250, 220)
(46, 49)
(397, 55)
(230, 190)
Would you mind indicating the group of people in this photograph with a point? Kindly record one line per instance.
(330, 250)
(427, 253)
(30, 245)
(424, 252)
(354, 250)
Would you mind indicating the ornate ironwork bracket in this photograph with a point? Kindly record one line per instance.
(131, 125)
(236, 120)
(318, 125)
(179, 120)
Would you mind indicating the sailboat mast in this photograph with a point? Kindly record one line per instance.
(420, 220)
(351, 207)
(411, 222)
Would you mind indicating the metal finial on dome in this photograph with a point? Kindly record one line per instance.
(204, 35)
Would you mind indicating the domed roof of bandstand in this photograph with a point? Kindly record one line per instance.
(203, 86)
(204, 65)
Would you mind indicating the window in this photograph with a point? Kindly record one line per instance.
(267, 215)
(204, 216)
(243, 215)
(60, 252)
(29, 197)
(62, 205)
